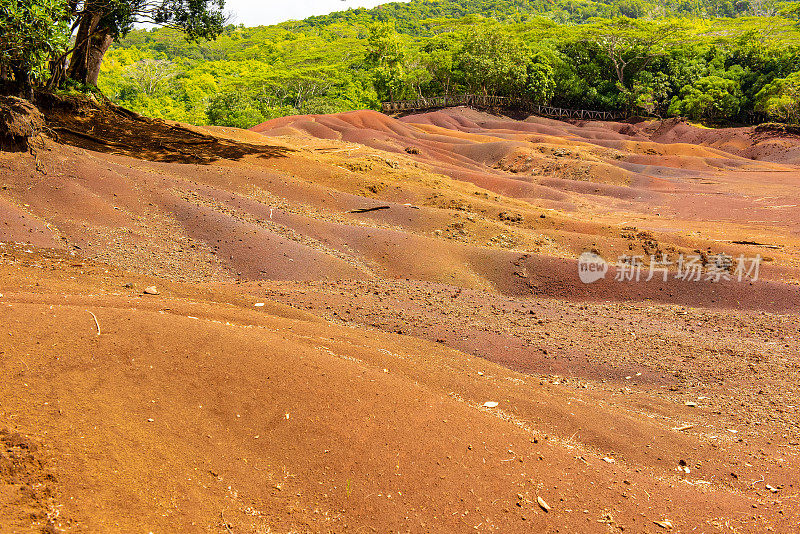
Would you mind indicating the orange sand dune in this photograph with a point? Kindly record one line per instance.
(338, 297)
(194, 411)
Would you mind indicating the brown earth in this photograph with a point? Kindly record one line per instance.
(308, 366)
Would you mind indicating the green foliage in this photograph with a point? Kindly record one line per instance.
(149, 75)
(492, 61)
(710, 97)
(781, 99)
(100, 22)
(486, 59)
(33, 32)
(540, 83)
(386, 57)
(232, 109)
(649, 62)
(247, 74)
(198, 19)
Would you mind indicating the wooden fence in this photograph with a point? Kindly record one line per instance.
(492, 101)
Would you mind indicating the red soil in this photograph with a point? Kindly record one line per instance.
(352, 399)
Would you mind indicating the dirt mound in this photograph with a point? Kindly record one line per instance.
(105, 127)
(458, 206)
(19, 122)
(774, 143)
(665, 175)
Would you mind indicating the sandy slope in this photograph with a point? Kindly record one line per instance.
(352, 400)
(459, 212)
(186, 414)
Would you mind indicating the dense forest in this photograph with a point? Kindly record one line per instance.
(715, 61)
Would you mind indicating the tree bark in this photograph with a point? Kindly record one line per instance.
(5, 81)
(93, 43)
(99, 46)
(15, 81)
(21, 86)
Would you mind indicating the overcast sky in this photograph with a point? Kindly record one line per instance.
(265, 12)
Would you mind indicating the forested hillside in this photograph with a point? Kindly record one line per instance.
(710, 60)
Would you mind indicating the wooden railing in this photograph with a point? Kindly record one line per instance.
(493, 101)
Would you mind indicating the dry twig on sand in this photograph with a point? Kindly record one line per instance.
(367, 210)
(97, 324)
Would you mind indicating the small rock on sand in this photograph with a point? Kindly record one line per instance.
(543, 504)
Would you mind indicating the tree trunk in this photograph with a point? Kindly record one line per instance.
(21, 85)
(5, 81)
(93, 43)
(3, 78)
(15, 81)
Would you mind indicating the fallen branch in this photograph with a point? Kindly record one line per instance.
(95, 322)
(367, 210)
(225, 523)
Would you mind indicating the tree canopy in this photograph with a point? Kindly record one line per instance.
(39, 36)
(33, 31)
(717, 61)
